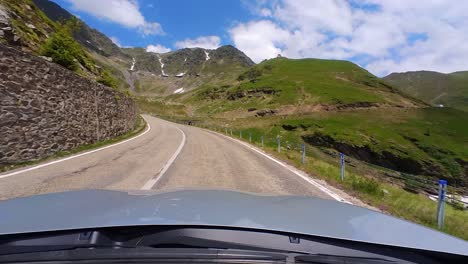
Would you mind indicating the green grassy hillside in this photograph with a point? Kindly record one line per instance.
(435, 88)
(420, 141)
(298, 86)
(29, 26)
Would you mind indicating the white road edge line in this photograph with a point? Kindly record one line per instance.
(77, 155)
(299, 173)
(150, 184)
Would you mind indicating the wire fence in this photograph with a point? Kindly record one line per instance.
(429, 186)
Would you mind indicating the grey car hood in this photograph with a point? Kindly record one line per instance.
(305, 215)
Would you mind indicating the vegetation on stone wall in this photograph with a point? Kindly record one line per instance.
(64, 50)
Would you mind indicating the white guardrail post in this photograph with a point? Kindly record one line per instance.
(441, 203)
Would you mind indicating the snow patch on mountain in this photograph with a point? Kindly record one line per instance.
(207, 55)
(179, 91)
(133, 64)
(163, 74)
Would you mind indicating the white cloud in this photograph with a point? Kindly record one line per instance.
(123, 12)
(157, 48)
(259, 39)
(384, 36)
(205, 42)
(116, 41)
(265, 12)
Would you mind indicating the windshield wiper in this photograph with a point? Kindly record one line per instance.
(328, 259)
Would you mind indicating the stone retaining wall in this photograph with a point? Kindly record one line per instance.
(45, 108)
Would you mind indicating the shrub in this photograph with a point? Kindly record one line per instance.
(107, 79)
(63, 49)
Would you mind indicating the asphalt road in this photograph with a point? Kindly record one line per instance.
(167, 157)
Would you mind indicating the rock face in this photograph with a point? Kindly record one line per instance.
(45, 108)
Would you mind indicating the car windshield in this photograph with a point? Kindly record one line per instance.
(343, 119)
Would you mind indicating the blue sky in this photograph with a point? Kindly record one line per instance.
(380, 35)
(179, 19)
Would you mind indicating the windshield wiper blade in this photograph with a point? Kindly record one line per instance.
(155, 255)
(329, 259)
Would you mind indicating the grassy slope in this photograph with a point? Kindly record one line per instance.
(433, 137)
(299, 83)
(27, 13)
(386, 196)
(434, 87)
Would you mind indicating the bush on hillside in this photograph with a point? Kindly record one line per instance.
(63, 49)
(107, 79)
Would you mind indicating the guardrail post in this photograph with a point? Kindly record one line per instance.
(342, 162)
(278, 140)
(250, 137)
(262, 141)
(441, 203)
(303, 153)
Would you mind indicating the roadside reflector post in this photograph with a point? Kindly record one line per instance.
(303, 153)
(342, 162)
(441, 203)
(225, 131)
(240, 134)
(262, 141)
(250, 137)
(231, 132)
(278, 140)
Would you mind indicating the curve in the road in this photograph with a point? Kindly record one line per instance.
(165, 159)
(149, 185)
(148, 128)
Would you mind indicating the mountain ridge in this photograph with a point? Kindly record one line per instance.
(435, 88)
(187, 68)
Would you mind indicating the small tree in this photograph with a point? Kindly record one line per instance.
(64, 50)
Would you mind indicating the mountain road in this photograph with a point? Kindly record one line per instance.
(167, 156)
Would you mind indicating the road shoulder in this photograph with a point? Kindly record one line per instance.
(142, 128)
